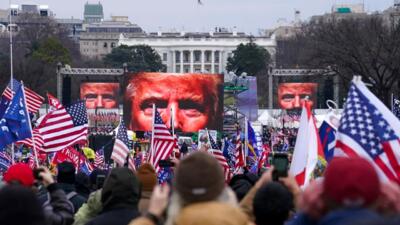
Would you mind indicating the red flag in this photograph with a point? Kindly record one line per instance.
(54, 102)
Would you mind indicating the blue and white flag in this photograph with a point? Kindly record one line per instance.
(15, 124)
(327, 135)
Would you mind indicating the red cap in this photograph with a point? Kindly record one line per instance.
(21, 173)
(351, 181)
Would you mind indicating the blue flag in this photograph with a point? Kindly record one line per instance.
(253, 153)
(15, 124)
(327, 134)
(5, 98)
(229, 152)
(252, 145)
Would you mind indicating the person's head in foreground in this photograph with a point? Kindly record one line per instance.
(272, 204)
(199, 178)
(350, 182)
(66, 173)
(20, 206)
(19, 173)
(193, 100)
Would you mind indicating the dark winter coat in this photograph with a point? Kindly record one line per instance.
(61, 210)
(120, 197)
(77, 200)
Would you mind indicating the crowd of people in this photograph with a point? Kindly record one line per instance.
(349, 192)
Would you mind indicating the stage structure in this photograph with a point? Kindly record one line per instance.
(66, 73)
(233, 86)
(300, 75)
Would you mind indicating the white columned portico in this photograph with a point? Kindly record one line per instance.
(202, 60)
(181, 59)
(191, 61)
(212, 61)
(173, 61)
(220, 66)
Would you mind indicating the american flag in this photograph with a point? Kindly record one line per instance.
(64, 127)
(38, 141)
(5, 160)
(239, 154)
(217, 153)
(99, 159)
(264, 156)
(31, 160)
(131, 162)
(121, 149)
(396, 107)
(164, 143)
(86, 167)
(368, 129)
(33, 100)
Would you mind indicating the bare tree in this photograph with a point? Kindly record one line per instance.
(38, 45)
(366, 46)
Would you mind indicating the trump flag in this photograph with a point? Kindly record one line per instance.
(15, 124)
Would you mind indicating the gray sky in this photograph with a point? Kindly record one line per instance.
(246, 15)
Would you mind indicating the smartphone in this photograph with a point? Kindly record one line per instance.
(280, 161)
(166, 163)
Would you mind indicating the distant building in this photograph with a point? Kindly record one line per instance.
(93, 13)
(342, 11)
(98, 39)
(74, 26)
(187, 52)
(17, 10)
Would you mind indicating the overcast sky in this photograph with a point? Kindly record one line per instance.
(246, 15)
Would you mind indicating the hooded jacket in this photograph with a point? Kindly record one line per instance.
(119, 197)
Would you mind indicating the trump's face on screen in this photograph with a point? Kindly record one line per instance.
(100, 95)
(192, 100)
(292, 95)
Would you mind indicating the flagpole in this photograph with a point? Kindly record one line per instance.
(152, 135)
(30, 126)
(246, 138)
(172, 121)
(11, 71)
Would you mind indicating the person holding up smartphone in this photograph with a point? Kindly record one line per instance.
(284, 189)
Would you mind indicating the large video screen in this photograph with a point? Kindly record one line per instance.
(100, 94)
(195, 101)
(292, 95)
